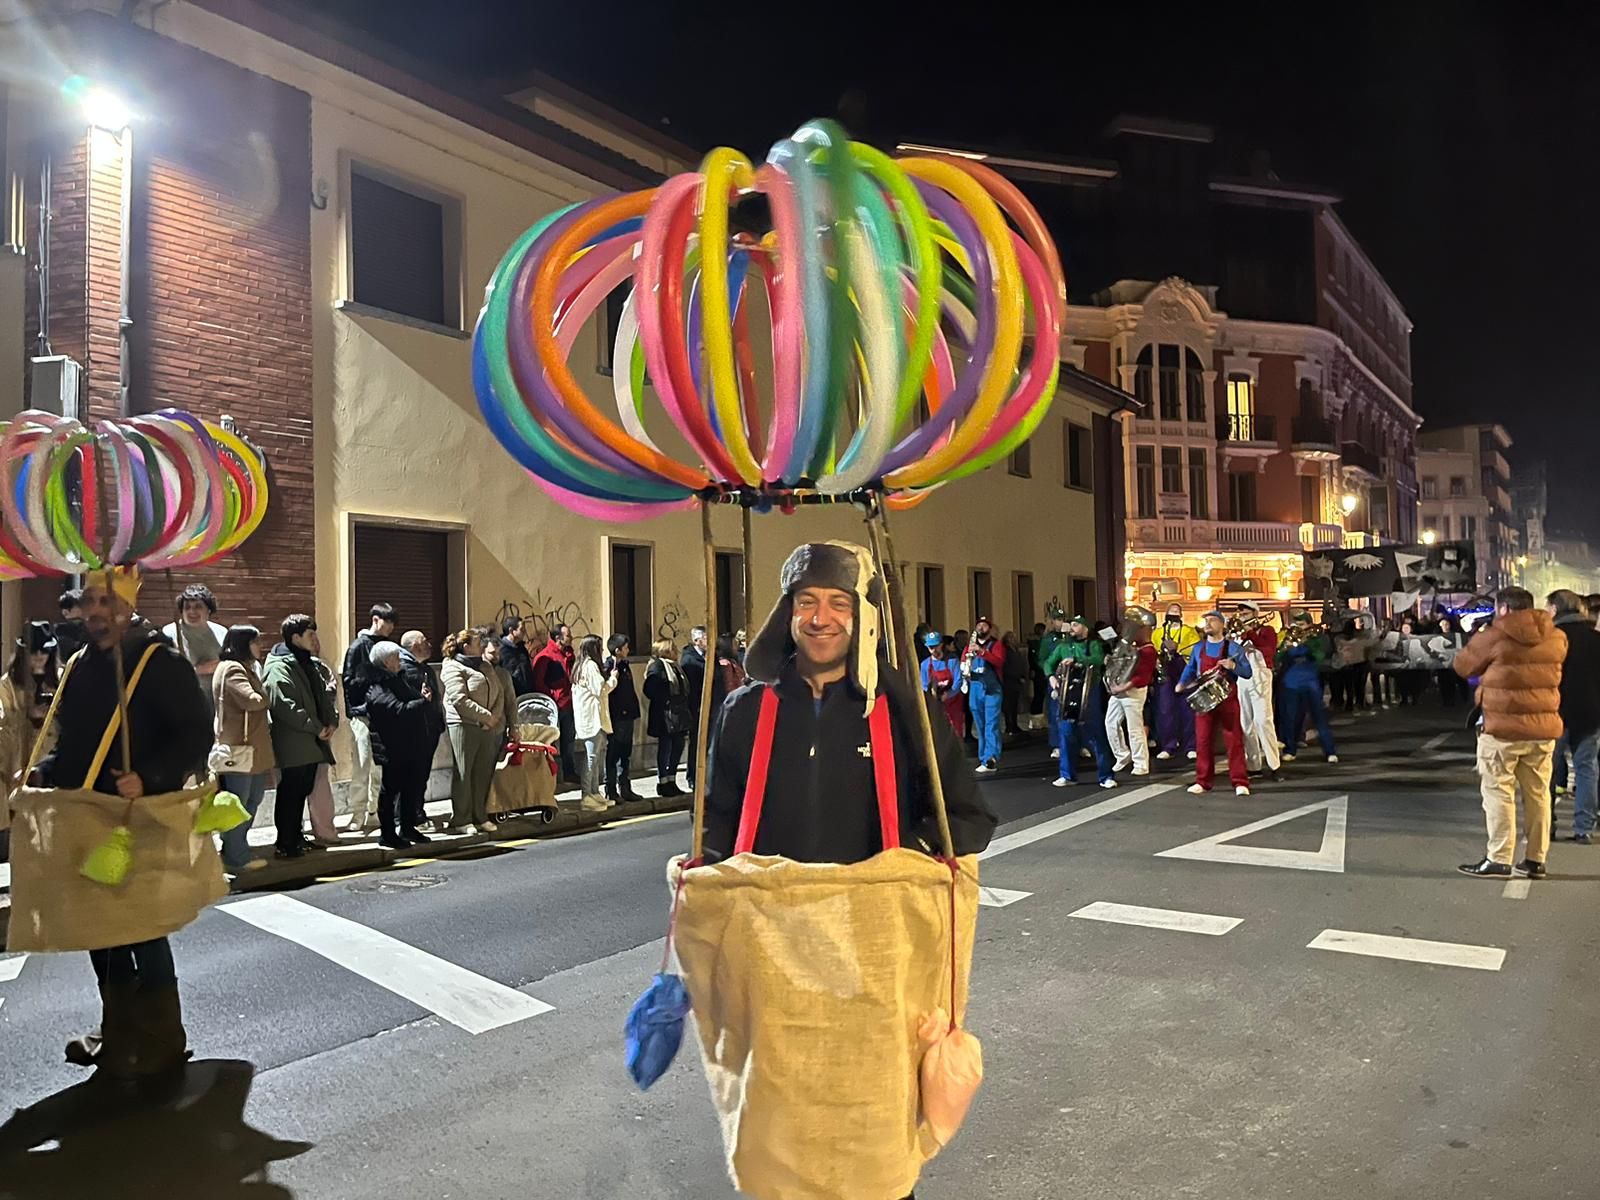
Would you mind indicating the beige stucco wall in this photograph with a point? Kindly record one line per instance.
(397, 433)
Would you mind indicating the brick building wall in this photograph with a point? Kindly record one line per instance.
(220, 287)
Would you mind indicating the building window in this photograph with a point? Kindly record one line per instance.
(632, 586)
(1144, 471)
(1311, 499)
(982, 597)
(730, 591)
(409, 568)
(1171, 469)
(1458, 485)
(1199, 490)
(616, 300)
(1167, 357)
(1141, 379)
(1446, 525)
(1241, 408)
(932, 597)
(404, 251)
(1022, 589)
(1083, 598)
(1194, 388)
(1021, 461)
(1469, 528)
(1242, 496)
(1079, 466)
(1430, 487)
(1378, 510)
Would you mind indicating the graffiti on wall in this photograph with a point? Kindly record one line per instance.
(543, 614)
(674, 624)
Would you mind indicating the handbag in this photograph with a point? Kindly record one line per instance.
(233, 760)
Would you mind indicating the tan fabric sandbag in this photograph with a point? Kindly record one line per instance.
(807, 983)
(175, 873)
(530, 785)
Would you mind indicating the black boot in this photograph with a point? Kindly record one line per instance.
(625, 787)
(612, 794)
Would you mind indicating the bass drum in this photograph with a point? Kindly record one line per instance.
(1073, 677)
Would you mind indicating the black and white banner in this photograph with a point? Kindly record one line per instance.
(1416, 570)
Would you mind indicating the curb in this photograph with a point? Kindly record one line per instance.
(366, 855)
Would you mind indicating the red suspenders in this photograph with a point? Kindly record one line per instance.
(883, 773)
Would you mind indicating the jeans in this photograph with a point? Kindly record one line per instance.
(619, 753)
(669, 749)
(984, 696)
(1559, 765)
(145, 963)
(251, 790)
(591, 754)
(1302, 698)
(1069, 733)
(289, 806)
(1585, 782)
(1052, 718)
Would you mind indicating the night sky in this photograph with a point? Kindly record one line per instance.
(1462, 137)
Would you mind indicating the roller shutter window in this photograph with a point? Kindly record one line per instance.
(408, 568)
(398, 251)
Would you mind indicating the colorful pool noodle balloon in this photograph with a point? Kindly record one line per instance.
(900, 299)
(160, 490)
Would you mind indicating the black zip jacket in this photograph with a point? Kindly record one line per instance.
(169, 721)
(692, 663)
(417, 674)
(399, 718)
(514, 657)
(1580, 677)
(358, 673)
(624, 700)
(821, 800)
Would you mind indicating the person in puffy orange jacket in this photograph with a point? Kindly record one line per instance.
(1518, 659)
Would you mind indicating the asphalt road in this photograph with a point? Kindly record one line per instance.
(1216, 1056)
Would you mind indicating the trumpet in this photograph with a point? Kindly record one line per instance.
(1242, 621)
(1299, 635)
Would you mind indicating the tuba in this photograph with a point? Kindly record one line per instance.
(1125, 655)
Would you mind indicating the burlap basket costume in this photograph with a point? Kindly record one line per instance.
(808, 981)
(175, 872)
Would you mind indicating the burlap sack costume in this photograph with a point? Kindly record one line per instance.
(175, 872)
(808, 981)
(529, 783)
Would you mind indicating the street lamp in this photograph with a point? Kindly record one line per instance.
(1429, 537)
(100, 106)
(1348, 502)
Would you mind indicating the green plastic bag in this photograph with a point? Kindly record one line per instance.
(108, 862)
(222, 812)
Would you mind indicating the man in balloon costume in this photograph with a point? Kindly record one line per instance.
(814, 664)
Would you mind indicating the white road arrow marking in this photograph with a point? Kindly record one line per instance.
(1157, 918)
(1330, 857)
(458, 995)
(993, 897)
(1378, 945)
(11, 967)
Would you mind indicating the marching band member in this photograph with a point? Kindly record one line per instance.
(1301, 656)
(1218, 654)
(981, 666)
(1074, 668)
(1174, 720)
(1054, 636)
(1260, 642)
(1125, 711)
(941, 679)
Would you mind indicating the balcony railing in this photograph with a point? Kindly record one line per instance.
(1247, 427)
(1231, 535)
(1313, 431)
(1354, 454)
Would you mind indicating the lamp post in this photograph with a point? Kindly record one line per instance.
(1429, 537)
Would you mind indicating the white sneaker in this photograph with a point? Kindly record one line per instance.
(1241, 791)
(1059, 782)
(1138, 773)
(1196, 790)
(1056, 753)
(1288, 758)
(1122, 765)
(983, 769)
(1164, 755)
(487, 827)
(1333, 758)
(1192, 755)
(1108, 783)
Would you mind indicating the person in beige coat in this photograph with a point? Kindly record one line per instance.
(1518, 662)
(475, 730)
(240, 702)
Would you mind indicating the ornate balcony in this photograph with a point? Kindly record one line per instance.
(1360, 461)
(1247, 435)
(1173, 533)
(1312, 439)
